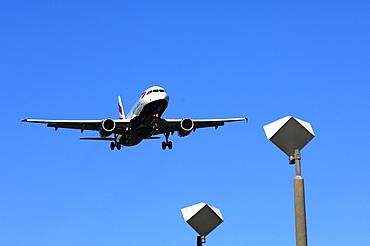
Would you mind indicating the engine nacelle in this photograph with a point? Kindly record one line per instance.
(107, 127)
(185, 127)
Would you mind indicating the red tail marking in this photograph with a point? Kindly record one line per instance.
(120, 109)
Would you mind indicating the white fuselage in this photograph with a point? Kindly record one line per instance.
(151, 95)
(143, 115)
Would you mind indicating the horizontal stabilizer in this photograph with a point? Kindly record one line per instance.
(99, 139)
(111, 139)
(153, 138)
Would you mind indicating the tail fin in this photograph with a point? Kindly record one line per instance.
(120, 109)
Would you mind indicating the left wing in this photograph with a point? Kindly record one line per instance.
(172, 125)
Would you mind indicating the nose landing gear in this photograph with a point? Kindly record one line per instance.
(156, 120)
(166, 144)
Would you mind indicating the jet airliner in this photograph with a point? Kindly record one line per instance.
(142, 122)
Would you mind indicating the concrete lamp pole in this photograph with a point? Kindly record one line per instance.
(290, 135)
(299, 203)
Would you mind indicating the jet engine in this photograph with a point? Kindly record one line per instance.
(107, 127)
(185, 127)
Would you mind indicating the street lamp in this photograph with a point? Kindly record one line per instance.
(203, 219)
(290, 135)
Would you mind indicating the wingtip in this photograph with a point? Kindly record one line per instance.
(246, 119)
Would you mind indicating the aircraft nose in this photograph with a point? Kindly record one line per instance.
(166, 97)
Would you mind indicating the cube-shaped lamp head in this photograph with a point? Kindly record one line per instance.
(289, 133)
(202, 218)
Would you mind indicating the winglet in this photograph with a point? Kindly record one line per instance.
(120, 109)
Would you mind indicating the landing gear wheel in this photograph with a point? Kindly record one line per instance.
(112, 145)
(118, 146)
(166, 144)
(169, 145)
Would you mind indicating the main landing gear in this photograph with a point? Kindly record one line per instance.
(114, 145)
(166, 143)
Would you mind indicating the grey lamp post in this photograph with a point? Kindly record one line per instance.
(203, 219)
(290, 135)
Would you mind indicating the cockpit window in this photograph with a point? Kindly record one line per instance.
(155, 90)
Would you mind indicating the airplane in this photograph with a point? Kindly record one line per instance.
(142, 122)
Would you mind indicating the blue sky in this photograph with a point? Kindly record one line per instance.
(263, 60)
